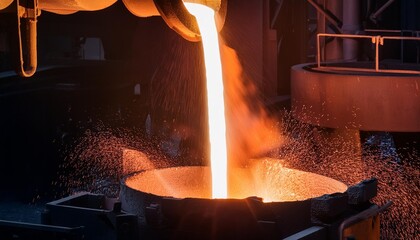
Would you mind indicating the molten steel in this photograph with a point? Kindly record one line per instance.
(265, 178)
(215, 97)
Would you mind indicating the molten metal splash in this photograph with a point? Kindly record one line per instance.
(265, 177)
(215, 97)
(251, 131)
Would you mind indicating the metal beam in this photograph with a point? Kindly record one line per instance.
(328, 15)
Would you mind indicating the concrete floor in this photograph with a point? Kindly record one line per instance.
(14, 209)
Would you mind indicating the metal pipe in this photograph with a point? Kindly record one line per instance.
(374, 15)
(337, 35)
(30, 18)
(318, 49)
(351, 25)
(377, 40)
(367, 70)
(370, 212)
(276, 13)
(377, 53)
(400, 38)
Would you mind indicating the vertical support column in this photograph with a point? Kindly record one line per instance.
(333, 50)
(27, 47)
(321, 29)
(270, 84)
(351, 25)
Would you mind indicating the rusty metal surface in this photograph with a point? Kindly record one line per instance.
(365, 101)
(328, 207)
(363, 192)
(71, 6)
(145, 8)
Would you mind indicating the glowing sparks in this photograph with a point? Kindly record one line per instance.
(215, 98)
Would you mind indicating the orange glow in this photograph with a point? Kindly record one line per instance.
(215, 97)
(251, 131)
(264, 177)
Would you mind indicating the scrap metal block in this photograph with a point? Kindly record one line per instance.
(363, 191)
(328, 207)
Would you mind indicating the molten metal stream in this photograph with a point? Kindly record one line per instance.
(215, 98)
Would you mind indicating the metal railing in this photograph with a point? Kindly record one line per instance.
(377, 40)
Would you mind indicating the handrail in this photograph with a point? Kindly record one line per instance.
(366, 214)
(416, 32)
(377, 40)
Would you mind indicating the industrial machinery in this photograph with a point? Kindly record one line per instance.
(174, 203)
(173, 12)
(80, 62)
(348, 88)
